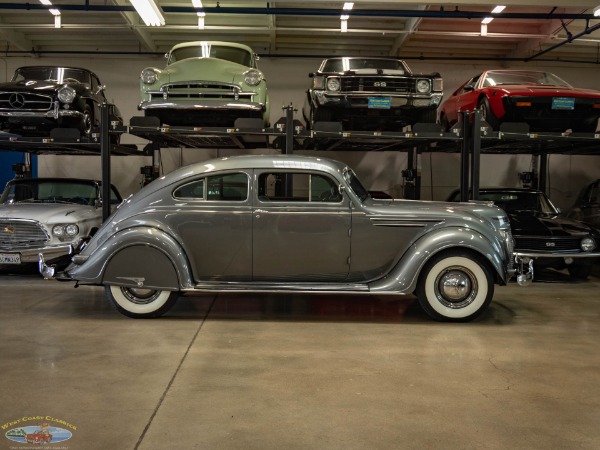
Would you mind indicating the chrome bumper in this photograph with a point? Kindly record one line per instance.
(32, 255)
(52, 114)
(326, 98)
(202, 105)
(522, 254)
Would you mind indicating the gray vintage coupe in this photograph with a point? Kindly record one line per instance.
(292, 224)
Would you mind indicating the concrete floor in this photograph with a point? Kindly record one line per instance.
(297, 372)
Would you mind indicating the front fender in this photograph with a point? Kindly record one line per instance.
(404, 276)
(143, 253)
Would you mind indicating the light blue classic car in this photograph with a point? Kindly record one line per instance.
(292, 224)
(205, 83)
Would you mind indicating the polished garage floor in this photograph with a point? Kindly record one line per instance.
(297, 372)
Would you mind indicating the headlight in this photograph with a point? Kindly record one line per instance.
(65, 230)
(72, 230)
(588, 244)
(252, 77)
(149, 76)
(423, 86)
(66, 94)
(333, 84)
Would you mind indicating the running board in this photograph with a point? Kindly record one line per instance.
(313, 288)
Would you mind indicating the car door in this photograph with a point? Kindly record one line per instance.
(301, 228)
(212, 215)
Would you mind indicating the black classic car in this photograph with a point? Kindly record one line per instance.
(541, 233)
(40, 98)
(587, 206)
(371, 94)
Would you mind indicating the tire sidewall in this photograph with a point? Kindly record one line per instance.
(438, 311)
(156, 308)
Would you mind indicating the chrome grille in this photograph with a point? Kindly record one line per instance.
(15, 234)
(200, 90)
(549, 244)
(24, 101)
(377, 84)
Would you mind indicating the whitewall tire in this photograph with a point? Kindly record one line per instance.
(140, 303)
(455, 287)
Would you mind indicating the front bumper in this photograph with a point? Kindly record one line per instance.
(202, 105)
(54, 113)
(329, 99)
(31, 255)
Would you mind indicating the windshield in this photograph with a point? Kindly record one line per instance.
(516, 201)
(233, 54)
(497, 77)
(345, 64)
(356, 185)
(36, 191)
(54, 74)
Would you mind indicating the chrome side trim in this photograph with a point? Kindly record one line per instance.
(347, 288)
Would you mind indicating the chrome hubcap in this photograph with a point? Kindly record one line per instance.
(140, 296)
(456, 287)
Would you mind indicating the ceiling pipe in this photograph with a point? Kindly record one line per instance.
(439, 14)
(271, 55)
(570, 39)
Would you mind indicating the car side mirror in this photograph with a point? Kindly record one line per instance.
(101, 88)
(468, 88)
(311, 75)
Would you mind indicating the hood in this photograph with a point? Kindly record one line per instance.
(32, 86)
(422, 209)
(204, 69)
(47, 212)
(537, 224)
(558, 91)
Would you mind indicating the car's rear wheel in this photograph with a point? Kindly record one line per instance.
(487, 114)
(140, 303)
(455, 286)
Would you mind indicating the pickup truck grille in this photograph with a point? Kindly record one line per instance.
(24, 101)
(548, 244)
(15, 234)
(377, 84)
(193, 90)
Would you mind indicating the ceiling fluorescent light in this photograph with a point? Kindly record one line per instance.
(484, 29)
(487, 20)
(597, 11)
(498, 9)
(201, 15)
(57, 21)
(149, 12)
(344, 26)
(200, 22)
(348, 6)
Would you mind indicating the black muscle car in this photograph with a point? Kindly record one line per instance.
(541, 233)
(375, 94)
(40, 98)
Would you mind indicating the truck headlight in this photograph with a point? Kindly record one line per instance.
(333, 84)
(66, 94)
(252, 77)
(149, 76)
(588, 244)
(423, 86)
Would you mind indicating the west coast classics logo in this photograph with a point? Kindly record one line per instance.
(38, 430)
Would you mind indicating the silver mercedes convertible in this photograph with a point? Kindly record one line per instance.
(292, 224)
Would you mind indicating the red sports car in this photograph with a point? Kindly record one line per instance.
(540, 99)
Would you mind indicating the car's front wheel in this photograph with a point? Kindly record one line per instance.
(455, 286)
(488, 115)
(140, 303)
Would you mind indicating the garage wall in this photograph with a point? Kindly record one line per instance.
(288, 80)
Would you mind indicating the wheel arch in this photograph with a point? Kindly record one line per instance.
(131, 263)
(404, 277)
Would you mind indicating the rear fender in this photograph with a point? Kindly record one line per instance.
(133, 256)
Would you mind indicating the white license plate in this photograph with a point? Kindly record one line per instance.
(10, 258)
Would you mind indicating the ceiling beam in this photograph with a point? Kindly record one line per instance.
(411, 25)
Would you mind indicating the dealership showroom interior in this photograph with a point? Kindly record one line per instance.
(299, 225)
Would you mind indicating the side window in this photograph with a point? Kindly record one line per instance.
(193, 190)
(229, 187)
(297, 187)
